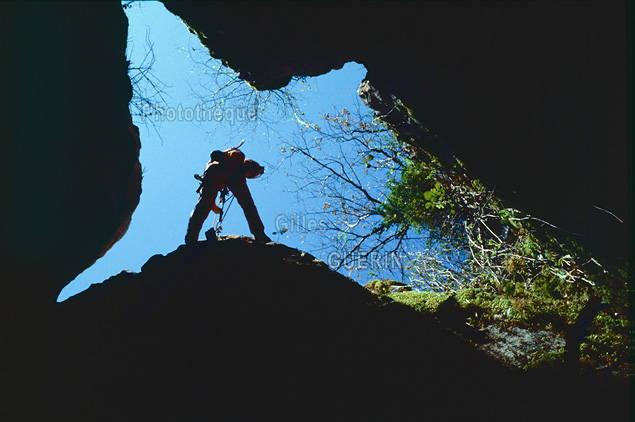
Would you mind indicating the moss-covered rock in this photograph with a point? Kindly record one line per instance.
(529, 331)
(386, 286)
(425, 302)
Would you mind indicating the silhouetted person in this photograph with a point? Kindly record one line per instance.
(227, 169)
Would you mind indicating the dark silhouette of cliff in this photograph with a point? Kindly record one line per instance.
(69, 153)
(242, 330)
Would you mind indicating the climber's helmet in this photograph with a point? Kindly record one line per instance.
(252, 169)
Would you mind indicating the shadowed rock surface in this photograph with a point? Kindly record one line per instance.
(69, 151)
(236, 330)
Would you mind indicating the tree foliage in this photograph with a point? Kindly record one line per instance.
(452, 235)
(449, 230)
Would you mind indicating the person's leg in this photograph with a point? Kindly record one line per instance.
(253, 219)
(241, 192)
(200, 213)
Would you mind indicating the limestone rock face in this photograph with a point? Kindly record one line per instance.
(530, 96)
(71, 177)
(239, 330)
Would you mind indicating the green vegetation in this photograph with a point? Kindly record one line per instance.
(501, 266)
(426, 302)
(604, 348)
(515, 270)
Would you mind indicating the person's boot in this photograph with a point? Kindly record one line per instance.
(262, 237)
(210, 235)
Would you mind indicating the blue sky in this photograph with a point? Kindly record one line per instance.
(183, 147)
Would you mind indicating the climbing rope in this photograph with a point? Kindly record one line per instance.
(218, 225)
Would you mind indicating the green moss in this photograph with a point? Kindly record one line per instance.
(605, 344)
(604, 347)
(382, 287)
(547, 361)
(490, 303)
(486, 304)
(425, 302)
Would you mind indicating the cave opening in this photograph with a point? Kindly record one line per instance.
(187, 104)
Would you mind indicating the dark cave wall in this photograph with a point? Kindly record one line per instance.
(69, 151)
(530, 96)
